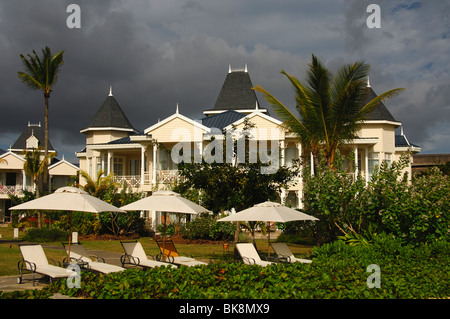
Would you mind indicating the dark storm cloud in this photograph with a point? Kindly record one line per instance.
(156, 54)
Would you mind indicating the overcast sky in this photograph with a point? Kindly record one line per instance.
(159, 53)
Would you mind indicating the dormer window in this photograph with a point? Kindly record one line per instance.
(32, 142)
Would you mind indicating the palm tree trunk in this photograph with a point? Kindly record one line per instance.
(45, 186)
(45, 172)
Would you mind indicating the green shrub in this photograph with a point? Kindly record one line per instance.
(338, 270)
(416, 211)
(168, 229)
(207, 227)
(45, 235)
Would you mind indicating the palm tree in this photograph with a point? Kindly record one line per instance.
(99, 186)
(34, 167)
(41, 73)
(331, 108)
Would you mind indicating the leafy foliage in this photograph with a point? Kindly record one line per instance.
(416, 211)
(207, 227)
(330, 108)
(338, 271)
(110, 222)
(223, 186)
(45, 235)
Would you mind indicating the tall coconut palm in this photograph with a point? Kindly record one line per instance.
(331, 108)
(41, 73)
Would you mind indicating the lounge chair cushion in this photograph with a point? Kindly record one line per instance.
(135, 249)
(78, 251)
(35, 254)
(282, 250)
(250, 255)
(96, 265)
(53, 271)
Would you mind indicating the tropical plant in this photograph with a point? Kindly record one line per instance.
(41, 73)
(106, 189)
(415, 211)
(96, 187)
(331, 108)
(34, 167)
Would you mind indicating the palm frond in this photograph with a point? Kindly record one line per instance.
(289, 120)
(41, 72)
(375, 101)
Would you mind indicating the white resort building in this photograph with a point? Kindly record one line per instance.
(144, 161)
(13, 180)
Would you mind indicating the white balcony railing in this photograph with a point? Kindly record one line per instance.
(167, 176)
(14, 190)
(133, 181)
(162, 177)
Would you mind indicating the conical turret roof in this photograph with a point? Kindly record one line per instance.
(110, 115)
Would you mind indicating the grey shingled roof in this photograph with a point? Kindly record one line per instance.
(402, 141)
(380, 112)
(222, 120)
(37, 131)
(236, 92)
(110, 114)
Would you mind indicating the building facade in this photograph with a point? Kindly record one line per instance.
(145, 160)
(14, 180)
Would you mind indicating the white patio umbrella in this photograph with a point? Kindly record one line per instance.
(166, 202)
(69, 199)
(268, 212)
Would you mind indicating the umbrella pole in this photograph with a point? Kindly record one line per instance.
(164, 234)
(268, 241)
(70, 236)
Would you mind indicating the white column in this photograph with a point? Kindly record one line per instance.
(155, 148)
(282, 153)
(283, 196)
(109, 163)
(366, 163)
(312, 164)
(356, 162)
(94, 166)
(299, 198)
(24, 180)
(142, 164)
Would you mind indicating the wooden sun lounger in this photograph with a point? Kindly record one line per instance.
(169, 252)
(136, 256)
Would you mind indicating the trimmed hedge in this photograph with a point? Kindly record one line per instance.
(45, 235)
